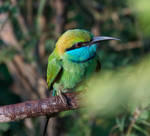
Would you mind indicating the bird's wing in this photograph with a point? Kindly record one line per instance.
(53, 69)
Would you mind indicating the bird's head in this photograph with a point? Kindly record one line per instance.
(79, 45)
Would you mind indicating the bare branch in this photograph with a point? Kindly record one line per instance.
(42, 107)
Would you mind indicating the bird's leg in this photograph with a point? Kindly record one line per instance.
(61, 95)
(59, 91)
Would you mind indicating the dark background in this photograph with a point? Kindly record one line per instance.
(28, 32)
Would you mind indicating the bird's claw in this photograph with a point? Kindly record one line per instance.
(62, 97)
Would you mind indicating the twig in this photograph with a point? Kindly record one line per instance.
(2, 23)
(42, 107)
(136, 114)
(21, 20)
(30, 12)
(61, 15)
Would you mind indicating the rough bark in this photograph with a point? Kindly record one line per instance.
(42, 107)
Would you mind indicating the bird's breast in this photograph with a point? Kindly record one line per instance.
(74, 73)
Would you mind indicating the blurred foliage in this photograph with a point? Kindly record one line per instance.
(130, 86)
(118, 103)
(141, 9)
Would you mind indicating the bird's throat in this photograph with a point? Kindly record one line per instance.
(82, 54)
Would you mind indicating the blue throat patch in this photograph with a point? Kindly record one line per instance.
(82, 54)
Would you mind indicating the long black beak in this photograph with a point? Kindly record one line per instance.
(102, 38)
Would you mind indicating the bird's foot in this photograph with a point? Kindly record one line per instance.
(62, 97)
(60, 92)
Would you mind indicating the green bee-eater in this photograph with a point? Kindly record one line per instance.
(73, 61)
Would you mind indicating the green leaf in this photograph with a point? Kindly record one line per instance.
(140, 129)
(4, 127)
(144, 115)
(7, 54)
(121, 123)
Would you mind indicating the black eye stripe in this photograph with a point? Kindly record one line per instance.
(78, 45)
(73, 47)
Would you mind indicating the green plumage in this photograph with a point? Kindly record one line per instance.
(53, 69)
(65, 75)
(72, 62)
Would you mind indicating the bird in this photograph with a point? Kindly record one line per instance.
(73, 61)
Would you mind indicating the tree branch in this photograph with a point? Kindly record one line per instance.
(42, 107)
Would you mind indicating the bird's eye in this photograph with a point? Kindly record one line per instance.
(75, 46)
(78, 45)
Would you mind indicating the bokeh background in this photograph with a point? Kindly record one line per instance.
(117, 101)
